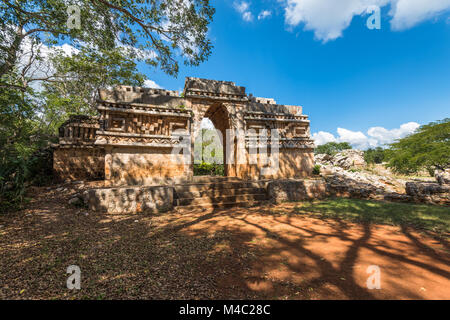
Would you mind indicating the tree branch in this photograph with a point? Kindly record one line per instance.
(141, 23)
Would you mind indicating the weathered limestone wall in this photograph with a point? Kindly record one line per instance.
(427, 192)
(79, 163)
(296, 190)
(129, 200)
(293, 163)
(144, 166)
(296, 163)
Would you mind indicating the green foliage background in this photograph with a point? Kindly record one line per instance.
(331, 148)
(202, 167)
(428, 148)
(375, 156)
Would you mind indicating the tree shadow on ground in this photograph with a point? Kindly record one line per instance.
(242, 253)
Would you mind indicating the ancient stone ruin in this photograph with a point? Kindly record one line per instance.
(345, 176)
(132, 139)
(141, 146)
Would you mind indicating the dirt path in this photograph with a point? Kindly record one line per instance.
(255, 253)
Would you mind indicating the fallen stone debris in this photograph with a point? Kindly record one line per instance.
(345, 177)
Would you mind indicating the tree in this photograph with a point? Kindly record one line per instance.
(40, 86)
(19, 138)
(427, 148)
(154, 31)
(376, 155)
(331, 148)
(77, 77)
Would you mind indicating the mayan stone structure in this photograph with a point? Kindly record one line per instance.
(132, 139)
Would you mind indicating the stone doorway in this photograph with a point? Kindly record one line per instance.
(215, 140)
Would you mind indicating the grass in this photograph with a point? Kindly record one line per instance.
(426, 217)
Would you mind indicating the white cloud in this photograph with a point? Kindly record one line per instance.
(243, 8)
(323, 137)
(151, 84)
(34, 60)
(264, 14)
(407, 13)
(247, 16)
(376, 136)
(383, 135)
(329, 18)
(356, 138)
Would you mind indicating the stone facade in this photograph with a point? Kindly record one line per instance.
(79, 163)
(138, 128)
(76, 157)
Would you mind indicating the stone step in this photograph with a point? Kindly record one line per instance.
(210, 206)
(213, 179)
(218, 193)
(221, 200)
(197, 187)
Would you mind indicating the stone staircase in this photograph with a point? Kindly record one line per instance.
(219, 192)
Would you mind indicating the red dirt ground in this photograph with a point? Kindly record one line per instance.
(242, 253)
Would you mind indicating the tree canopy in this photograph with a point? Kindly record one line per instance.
(427, 148)
(375, 155)
(331, 148)
(157, 32)
(77, 79)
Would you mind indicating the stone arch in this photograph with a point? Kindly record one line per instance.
(223, 120)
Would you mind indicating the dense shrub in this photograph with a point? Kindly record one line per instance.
(17, 171)
(316, 170)
(40, 167)
(13, 173)
(376, 155)
(209, 169)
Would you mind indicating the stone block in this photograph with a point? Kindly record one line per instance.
(429, 192)
(128, 200)
(296, 190)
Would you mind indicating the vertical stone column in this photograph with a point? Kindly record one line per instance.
(241, 151)
(108, 163)
(189, 168)
(195, 129)
(229, 151)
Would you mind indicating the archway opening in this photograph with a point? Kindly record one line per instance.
(210, 145)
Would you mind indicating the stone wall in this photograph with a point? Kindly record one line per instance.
(296, 190)
(79, 163)
(129, 200)
(364, 186)
(292, 164)
(145, 166)
(428, 192)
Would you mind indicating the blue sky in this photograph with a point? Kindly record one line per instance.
(314, 53)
